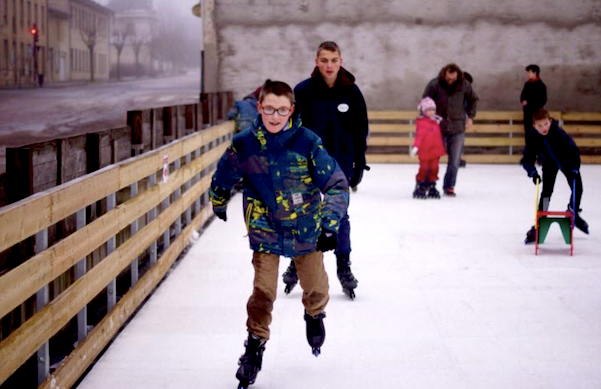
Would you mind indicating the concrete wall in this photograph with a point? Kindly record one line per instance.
(395, 47)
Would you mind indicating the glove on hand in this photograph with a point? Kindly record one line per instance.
(220, 214)
(536, 178)
(327, 241)
(413, 151)
(357, 175)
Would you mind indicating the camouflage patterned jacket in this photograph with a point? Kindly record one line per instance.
(284, 176)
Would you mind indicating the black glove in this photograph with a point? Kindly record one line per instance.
(220, 214)
(536, 178)
(358, 175)
(327, 241)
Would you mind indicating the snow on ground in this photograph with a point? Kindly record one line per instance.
(449, 297)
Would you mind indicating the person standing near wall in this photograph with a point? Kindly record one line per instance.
(533, 97)
(332, 106)
(456, 103)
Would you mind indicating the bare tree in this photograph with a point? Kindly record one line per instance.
(89, 35)
(137, 43)
(119, 40)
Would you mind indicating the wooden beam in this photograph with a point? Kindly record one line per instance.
(581, 116)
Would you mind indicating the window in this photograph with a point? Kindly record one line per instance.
(14, 19)
(22, 13)
(29, 14)
(43, 19)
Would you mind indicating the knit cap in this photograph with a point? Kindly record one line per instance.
(426, 104)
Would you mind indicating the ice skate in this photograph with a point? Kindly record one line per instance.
(290, 277)
(316, 332)
(530, 236)
(449, 192)
(345, 275)
(420, 191)
(433, 193)
(579, 222)
(250, 362)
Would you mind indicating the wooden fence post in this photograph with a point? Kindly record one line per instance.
(135, 123)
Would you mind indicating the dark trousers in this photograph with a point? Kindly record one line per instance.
(454, 145)
(549, 176)
(344, 236)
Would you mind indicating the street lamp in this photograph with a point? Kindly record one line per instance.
(197, 11)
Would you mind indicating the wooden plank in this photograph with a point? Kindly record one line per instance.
(500, 115)
(581, 116)
(588, 142)
(75, 365)
(28, 338)
(392, 115)
(389, 141)
(578, 129)
(496, 128)
(391, 128)
(494, 142)
(592, 159)
(29, 277)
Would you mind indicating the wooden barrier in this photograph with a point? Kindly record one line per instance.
(30, 217)
(494, 138)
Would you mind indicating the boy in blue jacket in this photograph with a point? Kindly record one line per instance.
(556, 151)
(285, 171)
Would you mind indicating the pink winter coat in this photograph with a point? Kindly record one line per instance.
(428, 139)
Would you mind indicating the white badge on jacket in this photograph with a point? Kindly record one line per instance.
(343, 107)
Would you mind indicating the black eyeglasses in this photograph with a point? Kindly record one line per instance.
(281, 111)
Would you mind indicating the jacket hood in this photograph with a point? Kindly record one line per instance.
(344, 76)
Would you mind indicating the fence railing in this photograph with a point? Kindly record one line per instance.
(165, 200)
(495, 137)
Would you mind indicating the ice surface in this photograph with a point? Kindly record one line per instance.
(449, 297)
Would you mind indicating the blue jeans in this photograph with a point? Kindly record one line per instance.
(344, 237)
(454, 145)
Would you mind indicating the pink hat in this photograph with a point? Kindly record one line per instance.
(426, 104)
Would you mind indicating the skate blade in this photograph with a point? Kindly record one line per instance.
(316, 351)
(289, 288)
(350, 293)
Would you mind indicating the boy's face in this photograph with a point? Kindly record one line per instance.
(275, 121)
(542, 126)
(328, 63)
(531, 75)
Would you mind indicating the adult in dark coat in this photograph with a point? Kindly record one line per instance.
(332, 106)
(456, 104)
(533, 97)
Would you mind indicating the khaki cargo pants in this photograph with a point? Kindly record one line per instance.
(313, 280)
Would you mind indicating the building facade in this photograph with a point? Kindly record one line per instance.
(73, 41)
(23, 41)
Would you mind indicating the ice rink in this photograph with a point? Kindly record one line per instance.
(449, 297)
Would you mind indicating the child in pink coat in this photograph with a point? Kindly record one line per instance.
(428, 146)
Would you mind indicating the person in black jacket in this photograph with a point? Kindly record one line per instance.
(456, 103)
(333, 107)
(556, 150)
(533, 97)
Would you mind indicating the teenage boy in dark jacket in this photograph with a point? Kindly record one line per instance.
(556, 150)
(456, 104)
(533, 97)
(332, 106)
(285, 171)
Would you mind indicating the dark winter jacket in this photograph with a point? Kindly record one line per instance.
(535, 93)
(244, 112)
(284, 175)
(338, 115)
(453, 102)
(556, 148)
(428, 139)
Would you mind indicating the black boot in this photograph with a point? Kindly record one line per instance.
(345, 275)
(530, 236)
(290, 277)
(316, 332)
(578, 221)
(250, 363)
(420, 190)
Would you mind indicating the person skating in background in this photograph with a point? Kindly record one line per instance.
(284, 217)
(468, 77)
(333, 106)
(244, 111)
(556, 150)
(429, 147)
(533, 97)
(456, 103)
